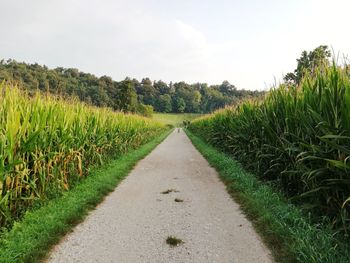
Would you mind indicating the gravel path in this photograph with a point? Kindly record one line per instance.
(134, 221)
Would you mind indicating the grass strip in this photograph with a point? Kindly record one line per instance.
(31, 239)
(288, 233)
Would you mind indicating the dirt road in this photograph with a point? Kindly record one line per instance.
(134, 221)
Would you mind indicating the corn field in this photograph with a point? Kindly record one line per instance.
(297, 138)
(47, 143)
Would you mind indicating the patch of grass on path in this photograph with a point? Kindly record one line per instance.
(173, 241)
(290, 236)
(169, 191)
(30, 239)
(175, 119)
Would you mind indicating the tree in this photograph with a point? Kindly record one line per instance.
(127, 97)
(145, 110)
(124, 95)
(148, 92)
(162, 88)
(307, 62)
(190, 96)
(212, 99)
(227, 88)
(193, 101)
(164, 103)
(179, 105)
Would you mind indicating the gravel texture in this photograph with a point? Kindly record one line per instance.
(133, 222)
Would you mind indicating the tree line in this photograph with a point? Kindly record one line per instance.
(129, 95)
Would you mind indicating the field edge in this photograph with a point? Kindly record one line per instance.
(283, 228)
(31, 238)
(175, 119)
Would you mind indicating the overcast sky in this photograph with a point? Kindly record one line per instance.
(249, 43)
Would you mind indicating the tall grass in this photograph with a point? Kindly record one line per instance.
(298, 138)
(47, 144)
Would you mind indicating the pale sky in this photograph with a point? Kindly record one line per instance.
(249, 43)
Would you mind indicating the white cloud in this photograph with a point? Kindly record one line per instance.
(207, 41)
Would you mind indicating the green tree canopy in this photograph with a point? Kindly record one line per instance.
(307, 62)
(127, 94)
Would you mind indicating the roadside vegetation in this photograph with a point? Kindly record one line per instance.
(31, 238)
(289, 233)
(297, 140)
(47, 145)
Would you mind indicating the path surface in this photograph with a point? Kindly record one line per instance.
(133, 222)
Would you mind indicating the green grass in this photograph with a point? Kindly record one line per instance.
(287, 232)
(30, 239)
(175, 119)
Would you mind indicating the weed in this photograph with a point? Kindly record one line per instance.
(173, 241)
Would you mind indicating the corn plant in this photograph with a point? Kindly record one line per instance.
(298, 137)
(47, 144)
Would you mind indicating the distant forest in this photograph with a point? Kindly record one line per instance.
(128, 95)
